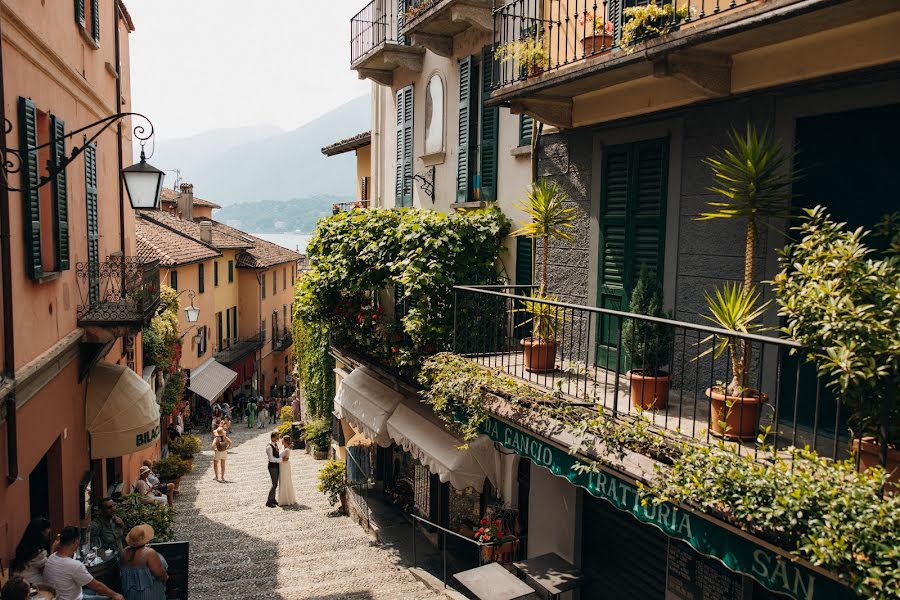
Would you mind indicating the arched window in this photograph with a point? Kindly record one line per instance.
(434, 115)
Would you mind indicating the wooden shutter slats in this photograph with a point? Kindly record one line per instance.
(30, 179)
(79, 12)
(490, 127)
(403, 186)
(466, 134)
(526, 130)
(93, 220)
(60, 192)
(95, 20)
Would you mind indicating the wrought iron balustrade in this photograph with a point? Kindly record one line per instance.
(376, 24)
(553, 34)
(593, 354)
(234, 350)
(283, 340)
(120, 291)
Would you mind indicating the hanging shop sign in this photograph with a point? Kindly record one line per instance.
(774, 570)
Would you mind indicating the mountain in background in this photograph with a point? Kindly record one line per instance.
(277, 216)
(263, 164)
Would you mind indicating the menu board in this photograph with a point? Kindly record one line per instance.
(692, 576)
(177, 555)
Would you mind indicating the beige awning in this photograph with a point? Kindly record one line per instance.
(366, 404)
(121, 413)
(438, 450)
(211, 379)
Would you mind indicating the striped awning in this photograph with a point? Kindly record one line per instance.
(211, 379)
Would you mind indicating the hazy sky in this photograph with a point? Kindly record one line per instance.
(198, 65)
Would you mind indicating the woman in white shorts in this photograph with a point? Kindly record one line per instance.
(220, 447)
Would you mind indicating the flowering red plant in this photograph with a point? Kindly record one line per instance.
(489, 531)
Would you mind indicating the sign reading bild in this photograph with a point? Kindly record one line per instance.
(774, 570)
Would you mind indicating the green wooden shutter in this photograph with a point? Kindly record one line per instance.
(524, 262)
(79, 12)
(526, 130)
(30, 179)
(467, 128)
(93, 220)
(490, 127)
(404, 185)
(201, 279)
(95, 20)
(647, 222)
(60, 193)
(401, 21)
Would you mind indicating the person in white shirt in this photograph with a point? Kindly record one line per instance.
(67, 575)
(147, 492)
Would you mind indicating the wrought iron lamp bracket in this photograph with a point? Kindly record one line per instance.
(426, 181)
(12, 157)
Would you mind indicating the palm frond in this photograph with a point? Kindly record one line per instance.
(550, 216)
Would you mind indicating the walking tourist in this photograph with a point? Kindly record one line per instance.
(32, 551)
(221, 444)
(107, 530)
(67, 575)
(251, 414)
(147, 492)
(274, 464)
(295, 407)
(144, 570)
(263, 413)
(286, 494)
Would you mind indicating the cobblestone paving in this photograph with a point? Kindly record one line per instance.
(241, 549)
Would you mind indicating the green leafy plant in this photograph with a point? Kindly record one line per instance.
(173, 393)
(186, 446)
(159, 515)
(649, 344)
(650, 20)
(287, 414)
(529, 53)
(843, 301)
(315, 365)
(333, 480)
(284, 429)
(318, 434)
(171, 467)
(160, 340)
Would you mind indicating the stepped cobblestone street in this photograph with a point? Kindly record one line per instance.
(241, 549)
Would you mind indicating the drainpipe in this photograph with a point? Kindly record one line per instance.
(9, 346)
(118, 107)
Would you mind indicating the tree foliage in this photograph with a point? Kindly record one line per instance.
(161, 341)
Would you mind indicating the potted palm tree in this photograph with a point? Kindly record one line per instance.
(753, 183)
(648, 345)
(550, 219)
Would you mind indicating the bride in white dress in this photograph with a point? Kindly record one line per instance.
(286, 494)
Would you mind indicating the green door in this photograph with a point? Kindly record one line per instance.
(846, 160)
(632, 229)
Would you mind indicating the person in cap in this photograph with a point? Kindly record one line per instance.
(167, 489)
(221, 444)
(66, 575)
(143, 569)
(147, 492)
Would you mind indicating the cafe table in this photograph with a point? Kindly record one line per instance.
(493, 582)
(551, 572)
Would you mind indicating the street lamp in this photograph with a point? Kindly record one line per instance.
(144, 183)
(191, 313)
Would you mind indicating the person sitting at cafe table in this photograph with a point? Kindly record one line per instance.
(32, 551)
(15, 589)
(147, 492)
(67, 575)
(144, 573)
(166, 489)
(107, 530)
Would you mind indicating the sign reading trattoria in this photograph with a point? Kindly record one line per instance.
(776, 571)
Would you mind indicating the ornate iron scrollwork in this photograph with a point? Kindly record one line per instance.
(121, 289)
(426, 181)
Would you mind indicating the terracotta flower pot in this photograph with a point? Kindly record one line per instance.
(870, 456)
(487, 554)
(320, 454)
(596, 44)
(741, 419)
(649, 393)
(540, 355)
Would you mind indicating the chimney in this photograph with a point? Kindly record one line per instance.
(206, 232)
(185, 203)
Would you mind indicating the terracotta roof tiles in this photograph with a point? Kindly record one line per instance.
(170, 247)
(170, 196)
(351, 143)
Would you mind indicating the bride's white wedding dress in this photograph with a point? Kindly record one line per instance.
(286, 494)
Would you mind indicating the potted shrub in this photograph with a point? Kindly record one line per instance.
(171, 469)
(650, 20)
(318, 436)
(648, 345)
(841, 299)
(598, 37)
(751, 182)
(489, 532)
(528, 52)
(333, 483)
(186, 446)
(550, 219)
(159, 515)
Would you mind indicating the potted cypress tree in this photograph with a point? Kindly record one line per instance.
(752, 183)
(648, 345)
(550, 219)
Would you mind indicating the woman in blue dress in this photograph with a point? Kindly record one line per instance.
(143, 569)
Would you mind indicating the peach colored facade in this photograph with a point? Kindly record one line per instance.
(48, 58)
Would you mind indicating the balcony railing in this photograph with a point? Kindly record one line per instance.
(339, 207)
(120, 291)
(372, 27)
(232, 352)
(593, 354)
(283, 340)
(552, 34)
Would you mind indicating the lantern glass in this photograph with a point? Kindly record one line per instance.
(192, 313)
(144, 183)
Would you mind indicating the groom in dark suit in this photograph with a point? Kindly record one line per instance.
(274, 460)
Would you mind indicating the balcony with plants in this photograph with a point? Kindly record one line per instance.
(433, 23)
(120, 293)
(378, 45)
(235, 350)
(283, 339)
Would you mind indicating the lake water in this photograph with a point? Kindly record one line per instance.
(291, 241)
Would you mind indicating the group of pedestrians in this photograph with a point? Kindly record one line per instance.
(40, 561)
